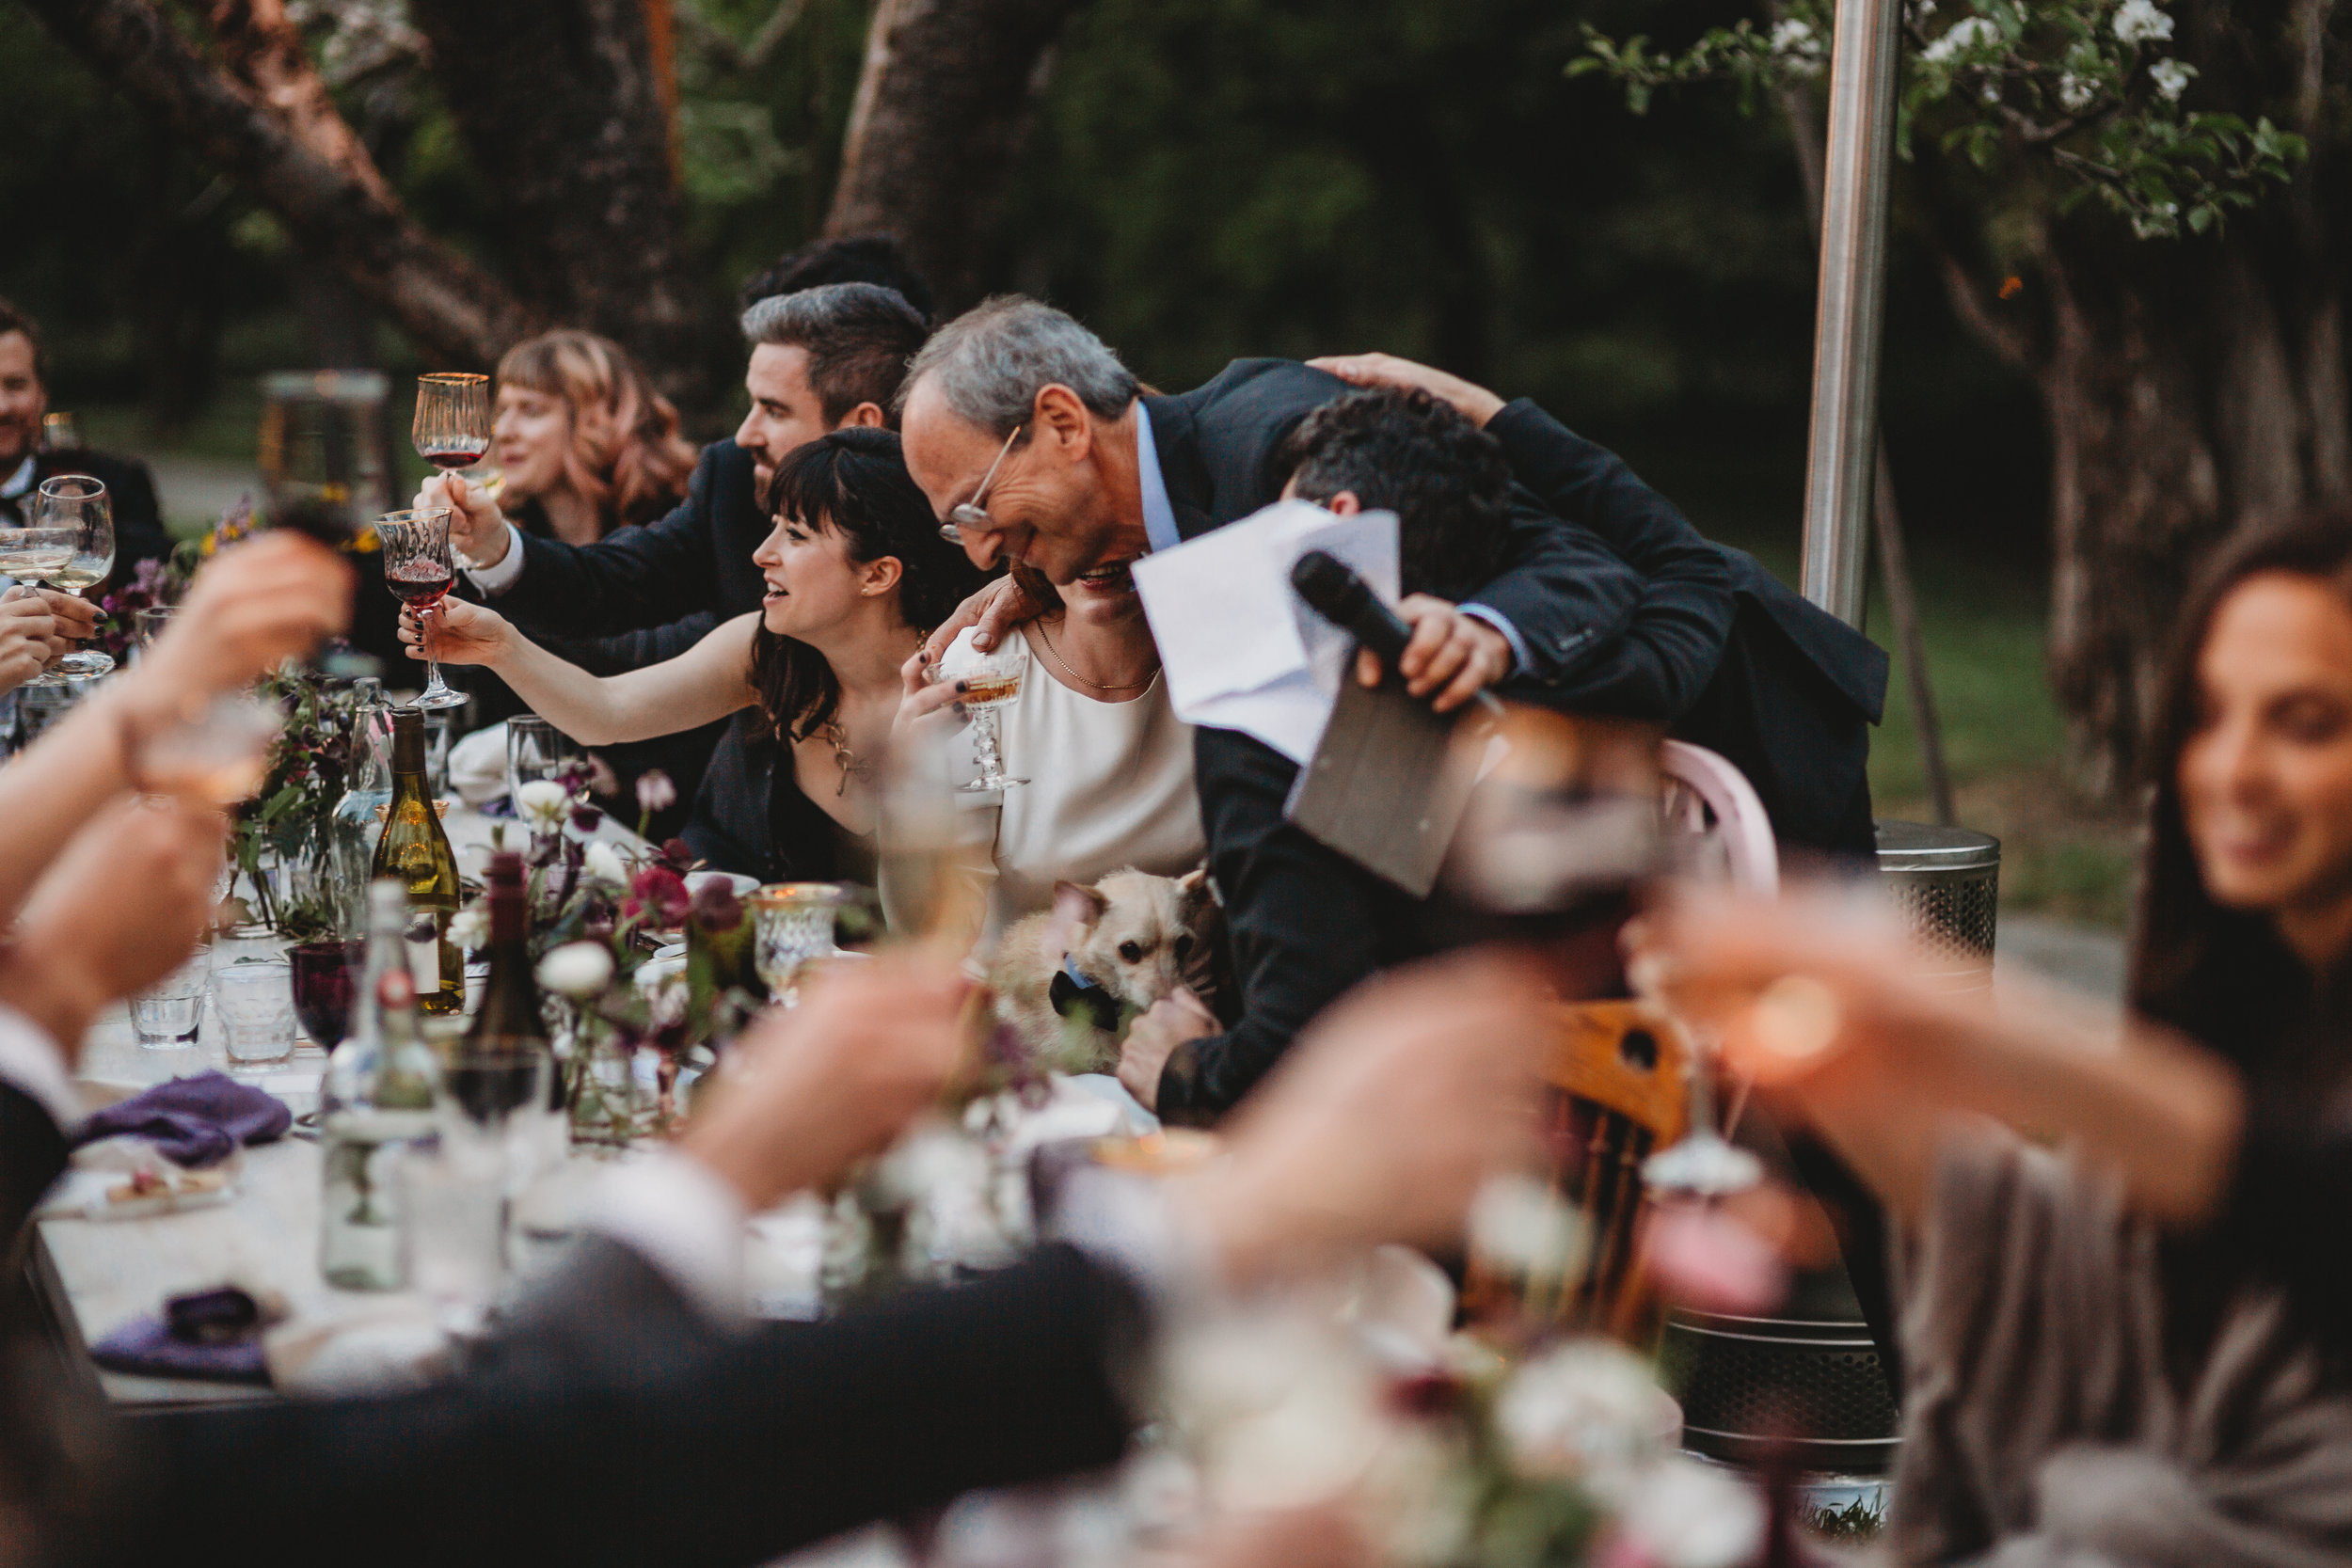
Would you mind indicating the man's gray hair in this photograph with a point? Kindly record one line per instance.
(991, 361)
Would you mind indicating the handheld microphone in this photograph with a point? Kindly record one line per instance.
(1345, 600)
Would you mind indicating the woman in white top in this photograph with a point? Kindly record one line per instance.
(1108, 763)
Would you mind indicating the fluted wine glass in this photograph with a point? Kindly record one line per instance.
(452, 423)
(417, 570)
(78, 506)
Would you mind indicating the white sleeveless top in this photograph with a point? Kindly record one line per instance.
(1110, 786)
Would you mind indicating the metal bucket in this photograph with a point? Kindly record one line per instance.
(1946, 882)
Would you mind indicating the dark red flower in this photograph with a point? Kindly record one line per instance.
(662, 892)
(1425, 1395)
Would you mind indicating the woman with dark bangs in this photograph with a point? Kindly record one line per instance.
(2126, 1331)
(856, 574)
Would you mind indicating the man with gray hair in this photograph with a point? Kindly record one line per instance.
(1034, 443)
(821, 360)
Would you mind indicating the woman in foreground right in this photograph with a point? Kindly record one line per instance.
(2130, 1348)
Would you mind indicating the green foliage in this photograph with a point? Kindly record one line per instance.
(2081, 85)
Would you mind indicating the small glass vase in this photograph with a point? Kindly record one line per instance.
(618, 1094)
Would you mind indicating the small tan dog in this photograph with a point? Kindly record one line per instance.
(1105, 953)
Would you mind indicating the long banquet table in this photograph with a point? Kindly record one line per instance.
(91, 1277)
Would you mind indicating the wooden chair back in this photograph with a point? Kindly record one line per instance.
(1620, 1073)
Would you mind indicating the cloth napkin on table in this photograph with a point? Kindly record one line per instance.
(148, 1346)
(194, 1121)
(477, 767)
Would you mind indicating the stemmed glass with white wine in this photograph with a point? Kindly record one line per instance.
(992, 683)
(68, 544)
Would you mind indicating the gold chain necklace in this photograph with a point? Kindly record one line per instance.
(851, 764)
(1054, 654)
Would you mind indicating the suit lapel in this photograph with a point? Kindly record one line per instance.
(1176, 438)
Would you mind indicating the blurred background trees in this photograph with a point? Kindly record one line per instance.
(1201, 178)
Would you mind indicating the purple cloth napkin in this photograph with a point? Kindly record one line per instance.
(194, 1121)
(147, 1345)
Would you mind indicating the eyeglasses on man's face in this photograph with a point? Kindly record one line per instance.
(974, 513)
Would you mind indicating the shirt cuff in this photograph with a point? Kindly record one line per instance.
(1126, 1225)
(31, 1063)
(497, 579)
(1502, 622)
(678, 1215)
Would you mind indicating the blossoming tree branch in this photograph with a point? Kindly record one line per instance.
(2088, 87)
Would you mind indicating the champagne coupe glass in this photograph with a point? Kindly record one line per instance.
(453, 425)
(417, 569)
(78, 505)
(992, 681)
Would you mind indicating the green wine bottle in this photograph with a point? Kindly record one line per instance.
(415, 851)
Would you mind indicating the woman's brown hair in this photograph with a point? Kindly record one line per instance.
(627, 456)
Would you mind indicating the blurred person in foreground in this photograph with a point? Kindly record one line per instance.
(140, 533)
(821, 360)
(635, 1364)
(2126, 1328)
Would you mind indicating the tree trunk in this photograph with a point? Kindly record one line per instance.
(452, 307)
(2190, 394)
(945, 95)
(562, 108)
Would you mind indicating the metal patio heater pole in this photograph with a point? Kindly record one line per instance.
(1846, 335)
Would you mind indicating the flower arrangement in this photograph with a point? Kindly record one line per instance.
(627, 1027)
(280, 840)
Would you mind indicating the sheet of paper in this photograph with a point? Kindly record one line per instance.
(1240, 649)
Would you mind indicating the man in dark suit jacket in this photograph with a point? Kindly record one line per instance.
(1785, 690)
(1030, 437)
(140, 533)
(822, 359)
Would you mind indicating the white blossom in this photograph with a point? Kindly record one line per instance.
(1685, 1514)
(1588, 1407)
(604, 862)
(577, 970)
(1922, 9)
(1521, 1225)
(2172, 78)
(543, 803)
(2141, 22)
(2074, 95)
(469, 927)
(1797, 45)
(1969, 32)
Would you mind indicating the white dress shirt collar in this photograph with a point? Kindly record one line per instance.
(1159, 512)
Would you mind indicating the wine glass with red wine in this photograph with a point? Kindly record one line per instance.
(453, 428)
(417, 568)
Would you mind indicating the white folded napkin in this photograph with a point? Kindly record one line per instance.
(477, 765)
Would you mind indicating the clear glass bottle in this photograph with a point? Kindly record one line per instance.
(376, 1097)
(351, 848)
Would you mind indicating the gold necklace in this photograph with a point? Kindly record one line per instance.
(851, 764)
(1054, 654)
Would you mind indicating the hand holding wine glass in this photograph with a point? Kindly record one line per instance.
(75, 508)
(452, 431)
(985, 683)
(417, 570)
(463, 633)
(26, 644)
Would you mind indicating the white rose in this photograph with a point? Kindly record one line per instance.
(1691, 1516)
(1522, 1227)
(577, 970)
(2139, 21)
(2172, 78)
(1589, 1406)
(469, 927)
(604, 862)
(543, 802)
